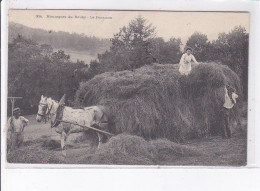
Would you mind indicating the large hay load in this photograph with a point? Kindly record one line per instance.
(155, 101)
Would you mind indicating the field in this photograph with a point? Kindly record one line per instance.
(42, 146)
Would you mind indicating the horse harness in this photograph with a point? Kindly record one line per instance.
(58, 120)
(45, 115)
(59, 115)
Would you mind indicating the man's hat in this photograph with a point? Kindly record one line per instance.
(17, 110)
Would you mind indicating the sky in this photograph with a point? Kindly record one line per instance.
(106, 23)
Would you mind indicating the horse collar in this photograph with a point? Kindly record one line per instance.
(59, 115)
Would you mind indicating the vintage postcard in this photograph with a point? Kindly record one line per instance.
(110, 87)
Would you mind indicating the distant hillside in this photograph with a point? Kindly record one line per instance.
(60, 40)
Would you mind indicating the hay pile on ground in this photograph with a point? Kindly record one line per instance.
(35, 152)
(134, 150)
(157, 102)
(165, 150)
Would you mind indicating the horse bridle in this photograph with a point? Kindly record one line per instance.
(45, 115)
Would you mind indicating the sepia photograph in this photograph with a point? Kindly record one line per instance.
(111, 87)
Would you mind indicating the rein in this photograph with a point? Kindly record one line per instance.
(84, 126)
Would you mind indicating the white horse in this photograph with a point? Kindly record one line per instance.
(95, 116)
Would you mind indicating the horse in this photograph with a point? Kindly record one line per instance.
(73, 120)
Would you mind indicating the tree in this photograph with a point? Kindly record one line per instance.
(130, 46)
(35, 69)
(200, 45)
(166, 52)
(133, 46)
(232, 49)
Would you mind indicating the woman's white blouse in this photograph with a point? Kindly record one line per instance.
(185, 63)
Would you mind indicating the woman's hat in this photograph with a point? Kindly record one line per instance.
(17, 110)
(188, 48)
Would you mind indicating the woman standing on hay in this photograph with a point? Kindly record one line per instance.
(185, 62)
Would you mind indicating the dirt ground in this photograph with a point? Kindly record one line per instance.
(42, 146)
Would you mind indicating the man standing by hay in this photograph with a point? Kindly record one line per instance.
(227, 106)
(185, 62)
(16, 125)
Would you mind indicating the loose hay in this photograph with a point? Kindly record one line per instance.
(165, 150)
(36, 151)
(133, 150)
(157, 102)
(123, 149)
(33, 154)
(51, 144)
